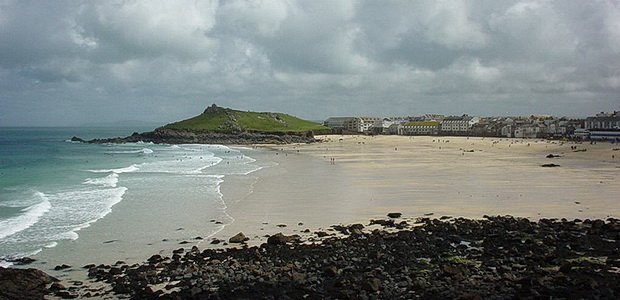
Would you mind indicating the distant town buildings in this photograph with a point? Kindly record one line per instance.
(458, 125)
(603, 126)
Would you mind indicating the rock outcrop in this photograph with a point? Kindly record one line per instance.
(164, 135)
(496, 258)
(24, 283)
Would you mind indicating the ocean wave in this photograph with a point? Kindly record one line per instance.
(30, 216)
(76, 210)
(141, 151)
(108, 181)
(132, 168)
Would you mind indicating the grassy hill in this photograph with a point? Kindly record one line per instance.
(222, 119)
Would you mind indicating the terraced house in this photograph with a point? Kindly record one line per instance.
(458, 125)
(419, 128)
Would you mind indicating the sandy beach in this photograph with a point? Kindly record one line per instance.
(305, 188)
(351, 179)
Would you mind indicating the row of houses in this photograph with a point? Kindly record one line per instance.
(519, 127)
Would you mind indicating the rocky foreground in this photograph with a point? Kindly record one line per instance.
(493, 258)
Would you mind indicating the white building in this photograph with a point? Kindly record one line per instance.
(454, 124)
(360, 124)
(419, 128)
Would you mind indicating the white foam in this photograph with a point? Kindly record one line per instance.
(132, 168)
(78, 209)
(30, 216)
(108, 181)
(183, 166)
(141, 151)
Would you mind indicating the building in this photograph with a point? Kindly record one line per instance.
(419, 128)
(336, 122)
(361, 124)
(386, 125)
(604, 121)
(458, 125)
(530, 131)
(605, 135)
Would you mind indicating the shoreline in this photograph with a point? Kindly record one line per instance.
(498, 257)
(299, 188)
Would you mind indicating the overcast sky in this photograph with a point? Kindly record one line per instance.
(75, 62)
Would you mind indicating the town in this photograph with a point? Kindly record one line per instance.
(601, 127)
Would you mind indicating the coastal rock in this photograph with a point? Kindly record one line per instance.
(163, 135)
(499, 257)
(62, 267)
(22, 261)
(371, 284)
(238, 238)
(281, 239)
(77, 139)
(394, 215)
(24, 283)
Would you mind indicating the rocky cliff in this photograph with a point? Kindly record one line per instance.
(164, 135)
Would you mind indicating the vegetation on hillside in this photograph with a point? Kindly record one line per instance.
(221, 119)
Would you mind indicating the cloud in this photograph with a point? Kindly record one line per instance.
(165, 60)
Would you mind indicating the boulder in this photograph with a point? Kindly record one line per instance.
(281, 239)
(394, 215)
(24, 283)
(62, 267)
(371, 284)
(238, 238)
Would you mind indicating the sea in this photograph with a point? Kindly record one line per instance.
(52, 189)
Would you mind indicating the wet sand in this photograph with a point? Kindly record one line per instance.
(349, 179)
(352, 179)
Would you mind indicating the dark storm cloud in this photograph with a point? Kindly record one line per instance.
(68, 62)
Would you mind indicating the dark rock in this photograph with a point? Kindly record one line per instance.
(492, 258)
(65, 295)
(77, 139)
(371, 284)
(386, 223)
(321, 234)
(62, 267)
(549, 165)
(452, 270)
(356, 231)
(155, 259)
(24, 283)
(57, 287)
(164, 135)
(331, 271)
(281, 239)
(238, 238)
(394, 215)
(22, 261)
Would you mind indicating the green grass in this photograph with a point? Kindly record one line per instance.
(225, 119)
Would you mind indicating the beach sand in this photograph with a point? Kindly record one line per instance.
(352, 179)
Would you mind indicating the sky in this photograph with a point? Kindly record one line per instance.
(65, 63)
